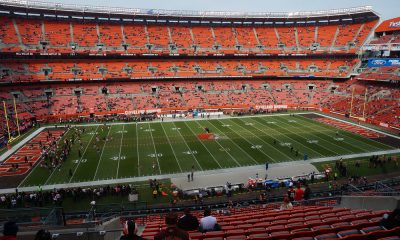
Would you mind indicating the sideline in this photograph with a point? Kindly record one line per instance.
(199, 173)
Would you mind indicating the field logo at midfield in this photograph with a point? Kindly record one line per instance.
(210, 136)
(292, 121)
(313, 141)
(339, 139)
(149, 130)
(176, 129)
(124, 131)
(249, 124)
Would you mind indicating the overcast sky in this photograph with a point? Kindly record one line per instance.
(386, 8)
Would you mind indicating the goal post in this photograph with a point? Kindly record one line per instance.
(16, 117)
(6, 116)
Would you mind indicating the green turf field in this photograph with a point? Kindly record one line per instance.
(174, 147)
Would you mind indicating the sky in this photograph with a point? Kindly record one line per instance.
(385, 8)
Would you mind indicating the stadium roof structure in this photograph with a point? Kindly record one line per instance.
(58, 10)
(389, 25)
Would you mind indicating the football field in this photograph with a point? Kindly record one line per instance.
(157, 148)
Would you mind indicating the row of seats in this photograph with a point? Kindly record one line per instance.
(381, 73)
(382, 104)
(50, 36)
(32, 71)
(310, 222)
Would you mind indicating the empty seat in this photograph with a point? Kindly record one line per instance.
(326, 236)
(260, 236)
(348, 232)
(371, 229)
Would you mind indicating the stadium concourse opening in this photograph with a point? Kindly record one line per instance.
(271, 119)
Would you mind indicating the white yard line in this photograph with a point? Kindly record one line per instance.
(56, 167)
(194, 157)
(259, 149)
(354, 124)
(120, 148)
(319, 127)
(170, 144)
(83, 154)
(204, 146)
(155, 150)
(234, 143)
(296, 133)
(137, 149)
(216, 140)
(266, 124)
(261, 138)
(348, 133)
(101, 155)
(203, 173)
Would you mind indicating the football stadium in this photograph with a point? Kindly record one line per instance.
(134, 123)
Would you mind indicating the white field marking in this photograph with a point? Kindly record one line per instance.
(101, 154)
(262, 130)
(83, 154)
(120, 148)
(291, 139)
(236, 144)
(203, 145)
(252, 144)
(354, 124)
(348, 134)
(314, 135)
(170, 145)
(233, 158)
(48, 178)
(155, 151)
(60, 166)
(194, 157)
(137, 149)
(204, 173)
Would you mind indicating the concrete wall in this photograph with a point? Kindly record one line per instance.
(370, 202)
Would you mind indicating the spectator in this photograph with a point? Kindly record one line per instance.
(43, 235)
(10, 231)
(291, 193)
(130, 231)
(298, 193)
(391, 220)
(172, 231)
(286, 205)
(307, 192)
(208, 222)
(188, 222)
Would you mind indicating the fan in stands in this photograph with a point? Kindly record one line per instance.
(64, 64)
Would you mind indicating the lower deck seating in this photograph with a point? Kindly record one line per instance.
(310, 222)
(381, 105)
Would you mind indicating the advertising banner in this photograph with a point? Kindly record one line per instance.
(384, 62)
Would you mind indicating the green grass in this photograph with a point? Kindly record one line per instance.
(175, 147)
(363, 170)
